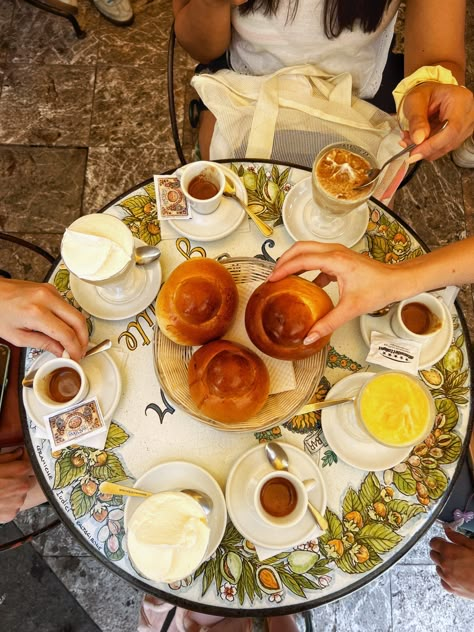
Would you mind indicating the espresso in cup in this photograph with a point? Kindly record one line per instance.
(203, 184)
(419, 319)
(278, 497)
(59, 383)
(202, 188)
(64, 384)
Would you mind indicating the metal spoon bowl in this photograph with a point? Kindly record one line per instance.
(279, 460)
(146, 254)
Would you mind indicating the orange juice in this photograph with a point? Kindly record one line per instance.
(396, 409)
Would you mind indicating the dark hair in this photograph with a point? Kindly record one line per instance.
(339, 15)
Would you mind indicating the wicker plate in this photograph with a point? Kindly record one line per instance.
(171, 366)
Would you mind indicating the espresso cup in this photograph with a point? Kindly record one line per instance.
(418, 318)
(99, 249)
(60, 383)
(281, 499)
(203, 185)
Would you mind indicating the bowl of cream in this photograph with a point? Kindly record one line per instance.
(167, 536)
(396, 409)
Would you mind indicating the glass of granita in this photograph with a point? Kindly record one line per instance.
(337, 172)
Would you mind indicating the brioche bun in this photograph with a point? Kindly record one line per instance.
(279, 315)
(197, 303)
(227, 381)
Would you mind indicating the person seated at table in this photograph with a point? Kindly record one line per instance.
(366, 285)
(258, 37)
(33, 315)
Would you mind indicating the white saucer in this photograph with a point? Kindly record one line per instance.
(89, 299)
(431, 351)
(296, 210)
(176, 475)
(240, 488)
(348, 438)
(105, 383)
(222, 222)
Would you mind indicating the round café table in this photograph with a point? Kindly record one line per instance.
(375, 515)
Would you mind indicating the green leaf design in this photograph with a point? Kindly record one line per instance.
(334, 530)
(378, 536)
(65, 472)
(150, 189)
(452, 451)
(291, 583)
(352, 502)
(406, 509)
(369, 490)
(448, 408)
(250, 584)
(112, 470)
(346, 564)
(231, 537)
(261, 179)
(404, 482)
(459, 341)
(380, 248)
(275, 174)
(208, 576)
(135, 204)
(117, 555)
(441, 484)
(320, 568)
(115, 437)
(81, 503)
(283, 179)
(61, 280)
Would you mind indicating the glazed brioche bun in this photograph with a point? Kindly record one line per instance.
(227, 381)
(197, 303)
(279, 315)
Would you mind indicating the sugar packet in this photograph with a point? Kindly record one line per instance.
(170, 200)
(81, 424)
(394, 353)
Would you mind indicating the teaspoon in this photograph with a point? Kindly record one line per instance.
(229, 191)
(107, 487)
(279, 460)
(146, 254)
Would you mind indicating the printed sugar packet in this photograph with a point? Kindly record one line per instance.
(394, 353)
(170, 199)
(81, 424)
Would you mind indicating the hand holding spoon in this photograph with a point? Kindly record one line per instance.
(279, 460)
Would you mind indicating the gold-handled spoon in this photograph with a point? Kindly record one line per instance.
(229, 191)
(279, 460)
(309, 408)
(27, 381)
(107, 487)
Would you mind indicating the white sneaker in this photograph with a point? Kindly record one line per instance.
(463, 156)
(68, 6)
(119, 12)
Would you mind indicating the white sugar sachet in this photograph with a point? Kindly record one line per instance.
(394, 353)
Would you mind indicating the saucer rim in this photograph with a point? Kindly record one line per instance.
(178, 225)
(39, 421)
(356, 216)
(366, 319)
(90, 291)
(329, 418)
(312, 531)
(217, 497)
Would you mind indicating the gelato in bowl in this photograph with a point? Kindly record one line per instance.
(396, 409)
(167, 536)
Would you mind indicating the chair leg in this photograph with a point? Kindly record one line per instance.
(80, 33)
(171, 101)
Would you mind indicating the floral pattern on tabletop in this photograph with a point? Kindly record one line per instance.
(376, 511)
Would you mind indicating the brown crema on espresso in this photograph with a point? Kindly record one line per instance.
(339, 171)
(201, 188)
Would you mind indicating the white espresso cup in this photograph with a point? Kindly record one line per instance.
(60, 383)
(203, 185)
(419, 317)
(281, 499)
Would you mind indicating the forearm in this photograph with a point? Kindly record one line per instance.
(449, 265)
(434, 34)
(203, 27)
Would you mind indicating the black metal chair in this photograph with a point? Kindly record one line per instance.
(69, 15)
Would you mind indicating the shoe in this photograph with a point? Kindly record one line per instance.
(66, 6)
(463, 156)
(119, 12)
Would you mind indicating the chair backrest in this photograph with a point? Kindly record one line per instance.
(171, 96)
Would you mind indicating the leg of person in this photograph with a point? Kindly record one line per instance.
(119, 12)
(207, 121)
(463, 156)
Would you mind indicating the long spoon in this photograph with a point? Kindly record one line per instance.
(102, 346)
(146, 254)
(106, 487)
(229, 191)
(373, 174)
(279, 460)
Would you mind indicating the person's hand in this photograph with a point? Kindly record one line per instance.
(454, 563)
(16, 478)
(35, 315)
(440, 102)
(363, 283)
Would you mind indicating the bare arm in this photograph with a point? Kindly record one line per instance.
(36, 315)
(203, 27)
(366, 285)
(434, 35)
